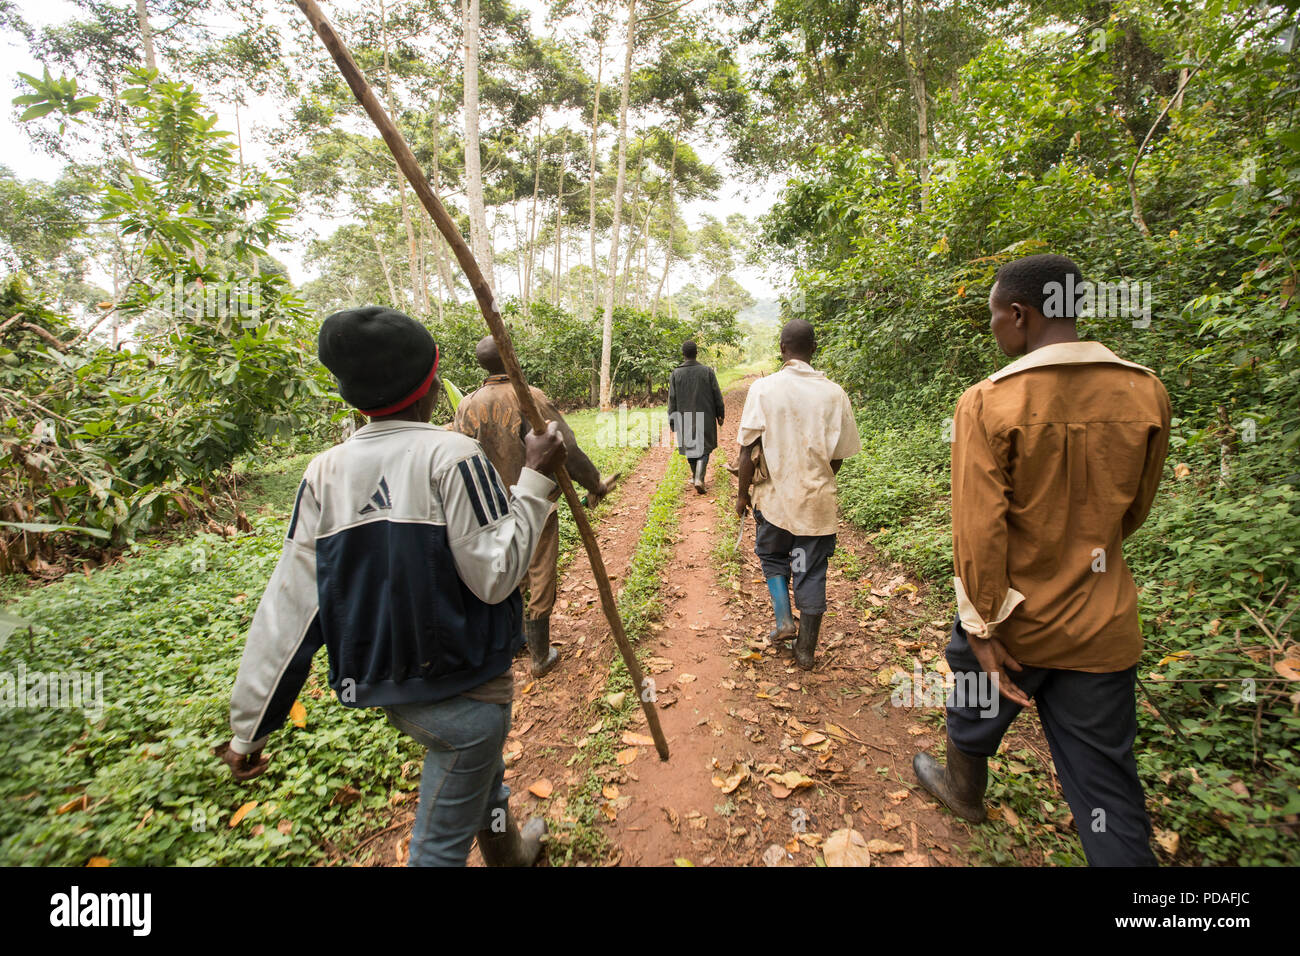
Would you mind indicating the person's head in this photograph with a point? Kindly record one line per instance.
(798, 341)
(689, 350)
(487, 355)
(1031, 302)
(385, 362)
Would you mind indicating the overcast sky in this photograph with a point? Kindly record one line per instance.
(17, 152)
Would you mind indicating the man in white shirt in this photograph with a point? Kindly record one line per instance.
(803, 425)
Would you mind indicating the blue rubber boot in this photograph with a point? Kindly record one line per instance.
(779, 588)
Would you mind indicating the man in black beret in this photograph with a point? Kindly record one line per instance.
(403, 557)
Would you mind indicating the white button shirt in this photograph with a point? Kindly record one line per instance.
(806, 422)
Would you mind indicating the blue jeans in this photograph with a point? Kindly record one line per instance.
(462, 789)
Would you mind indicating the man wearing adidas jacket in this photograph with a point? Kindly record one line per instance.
(403, 558)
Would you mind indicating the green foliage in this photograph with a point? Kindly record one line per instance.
(898, 488)
(116, 438)
(165, 636)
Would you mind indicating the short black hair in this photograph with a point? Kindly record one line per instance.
(689, 349)
(798, 337)
(1030, 281)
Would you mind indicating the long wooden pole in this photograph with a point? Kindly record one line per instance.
(410, 167)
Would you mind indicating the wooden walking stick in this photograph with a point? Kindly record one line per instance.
(410, 167)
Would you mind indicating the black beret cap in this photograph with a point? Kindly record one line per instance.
(383, 359)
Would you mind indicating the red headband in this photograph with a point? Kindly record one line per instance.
(421, 390)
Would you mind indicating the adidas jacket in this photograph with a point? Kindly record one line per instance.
(403, 557)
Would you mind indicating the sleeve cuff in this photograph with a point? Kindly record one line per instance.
(975, 625)
(533, 483)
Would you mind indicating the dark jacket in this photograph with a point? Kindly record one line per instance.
(695, 408)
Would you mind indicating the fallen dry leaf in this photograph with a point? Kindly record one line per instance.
(884, 846)
(1168, 840)
(298, 714)
(625, 757)
(847, 848)
(1288, 667)
(241, 813)
(542, 789)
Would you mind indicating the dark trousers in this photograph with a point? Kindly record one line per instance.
(1090, 721)
(801, 557)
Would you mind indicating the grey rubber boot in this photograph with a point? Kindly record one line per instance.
(511, 846)
(805, 645)
(701, 467)
(537, 632)
(960, 785)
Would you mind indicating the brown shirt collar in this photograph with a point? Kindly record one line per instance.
(1064, 353)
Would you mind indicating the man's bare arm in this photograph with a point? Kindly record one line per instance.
(745, 476)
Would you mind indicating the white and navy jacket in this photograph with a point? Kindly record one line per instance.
(403, 557)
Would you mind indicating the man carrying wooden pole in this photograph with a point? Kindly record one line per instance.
(410, 167)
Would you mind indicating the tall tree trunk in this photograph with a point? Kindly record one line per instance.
(672, 221)
(531, 261)
(917, 81)
(388, 274)
(591, 202)
(480, 240)
(146, 34)
(559, 212)
(607, 330)
(633, 237)
(445, 285)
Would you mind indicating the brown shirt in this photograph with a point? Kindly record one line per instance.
(492, 415)
(1055, 460)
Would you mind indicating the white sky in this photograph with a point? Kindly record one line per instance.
(18, 153)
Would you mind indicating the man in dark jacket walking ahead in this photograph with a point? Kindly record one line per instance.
(695, 411)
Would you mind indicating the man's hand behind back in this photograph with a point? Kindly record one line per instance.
(544, 451)
(606, 486)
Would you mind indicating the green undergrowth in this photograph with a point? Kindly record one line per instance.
(639, 604)
(135, 780)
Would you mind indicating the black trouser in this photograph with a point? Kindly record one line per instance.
(802, 557)
(1090, 721)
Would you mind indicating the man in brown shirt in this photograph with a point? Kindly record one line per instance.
(1055, 461)
(492, 415)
